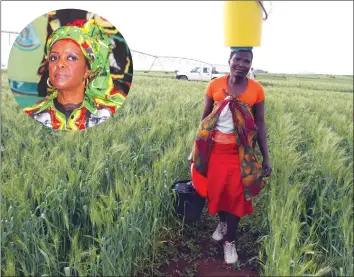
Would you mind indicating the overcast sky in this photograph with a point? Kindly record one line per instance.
(297, 37)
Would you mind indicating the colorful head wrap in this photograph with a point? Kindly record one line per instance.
(96, 46)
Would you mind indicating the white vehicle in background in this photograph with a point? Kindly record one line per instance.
(200, 73)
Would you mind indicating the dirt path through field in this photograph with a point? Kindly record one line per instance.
(197, 254)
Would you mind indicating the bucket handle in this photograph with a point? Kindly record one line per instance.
(264, 10)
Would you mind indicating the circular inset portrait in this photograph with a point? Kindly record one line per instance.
(70, 69)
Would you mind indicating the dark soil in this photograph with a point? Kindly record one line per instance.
(195, 253)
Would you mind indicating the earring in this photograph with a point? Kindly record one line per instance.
(48, 83)
(86, 82)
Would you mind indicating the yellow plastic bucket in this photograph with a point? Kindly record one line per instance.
(242, 23)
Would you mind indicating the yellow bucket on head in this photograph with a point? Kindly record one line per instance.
(242, 23)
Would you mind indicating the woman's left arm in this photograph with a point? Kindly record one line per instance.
(262, 137)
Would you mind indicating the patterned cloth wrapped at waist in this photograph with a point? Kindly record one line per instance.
(220, 137)
(246, 136)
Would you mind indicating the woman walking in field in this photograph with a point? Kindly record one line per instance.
(224, 167)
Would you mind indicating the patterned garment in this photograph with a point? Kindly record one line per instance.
(102, 99)
(121, 65)
(91, 112)
(246, 132)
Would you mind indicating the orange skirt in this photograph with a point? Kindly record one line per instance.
(223, 187)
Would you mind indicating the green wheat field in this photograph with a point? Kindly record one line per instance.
(99, 201)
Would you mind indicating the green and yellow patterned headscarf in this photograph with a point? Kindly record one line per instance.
(96, 46)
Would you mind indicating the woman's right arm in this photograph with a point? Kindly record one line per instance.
(208, 108)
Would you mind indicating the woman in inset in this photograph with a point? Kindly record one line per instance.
(120, 58)
(224, 168)
(83, 94)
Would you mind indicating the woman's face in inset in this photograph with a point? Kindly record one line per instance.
(67, 65)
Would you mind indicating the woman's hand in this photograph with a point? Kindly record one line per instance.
(267, 168)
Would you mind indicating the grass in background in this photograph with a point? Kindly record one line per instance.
(98, 202)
